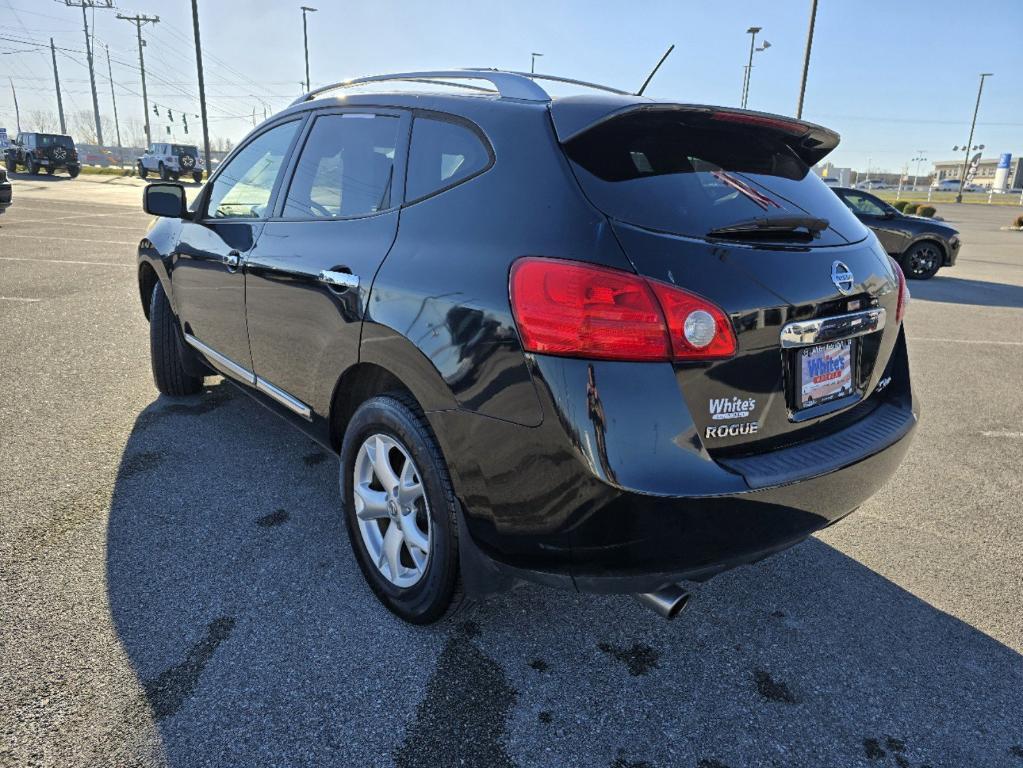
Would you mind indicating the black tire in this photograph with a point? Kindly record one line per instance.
(31, 167)
(197, 178)
(176, 176)
(73, 171)
(165, 342)
(164, 175)
(922, 260)
(143, 173)
(438, 592)
(12, 166)
(51, 170)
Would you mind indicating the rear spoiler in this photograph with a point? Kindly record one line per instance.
(809, 141)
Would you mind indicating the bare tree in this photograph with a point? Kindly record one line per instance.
(43, 120)
(83, 126)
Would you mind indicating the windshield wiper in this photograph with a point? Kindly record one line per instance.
(808, 227)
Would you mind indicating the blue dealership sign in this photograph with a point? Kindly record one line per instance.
(1004, 160)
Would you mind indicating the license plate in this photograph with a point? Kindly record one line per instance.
(825, 373)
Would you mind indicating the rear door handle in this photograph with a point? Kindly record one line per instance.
(232, 259)
(339, 280)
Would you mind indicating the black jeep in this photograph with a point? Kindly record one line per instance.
(39, 151)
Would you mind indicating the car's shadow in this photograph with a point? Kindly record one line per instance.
(256, 641)
(58, 176)
(958, 290)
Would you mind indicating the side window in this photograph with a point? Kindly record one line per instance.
(863, 204)
(442, 154)
(346, 167)
(243, 188)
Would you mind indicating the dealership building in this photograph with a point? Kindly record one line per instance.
(1003, 172)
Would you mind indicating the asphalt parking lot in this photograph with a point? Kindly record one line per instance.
(177, 589)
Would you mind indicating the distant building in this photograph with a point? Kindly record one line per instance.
(987, 172)
(831, 171)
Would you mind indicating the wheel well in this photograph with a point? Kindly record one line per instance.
(147, 281)
(357, 385)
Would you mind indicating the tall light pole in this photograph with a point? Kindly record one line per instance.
(532, 63)
(966, 157)
(305, 38)
(752, 32)
(806, 58)
(918, 159)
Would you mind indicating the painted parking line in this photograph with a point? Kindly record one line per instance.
(968, 341)
(1002, 433)
(66, 261)
(19, 298)
(69, 239)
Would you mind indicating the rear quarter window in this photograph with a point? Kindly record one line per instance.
(443, 153)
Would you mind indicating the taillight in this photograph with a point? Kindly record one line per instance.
(38, 153)
(580, 310)
(900, 308)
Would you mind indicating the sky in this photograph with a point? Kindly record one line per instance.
(892, 77)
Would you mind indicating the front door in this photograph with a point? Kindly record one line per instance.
(207, 278)
(874, 213)
(309, 277)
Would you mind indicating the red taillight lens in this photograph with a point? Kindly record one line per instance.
(900, 308)
(580, 310)
(698, 329)
(38, 153)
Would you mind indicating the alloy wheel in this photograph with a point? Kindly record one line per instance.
(923, 260)
(392, 510)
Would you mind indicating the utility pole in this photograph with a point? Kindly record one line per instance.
(138, 21)
(752, 32)
(532, 62)
(113, 98)
(966, 157)
(806, 58)
(17, 112)
(56, 82)
(305, 39)
(83, 4)
(202, 88)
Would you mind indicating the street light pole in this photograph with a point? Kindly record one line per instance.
(806, 58)
(305, 40)
(966, 158)
(752, 32)
(918, 159)
(532, 63)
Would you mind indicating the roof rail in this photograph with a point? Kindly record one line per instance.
(509, 85)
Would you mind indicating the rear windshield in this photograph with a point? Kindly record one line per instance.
(675, 173)
(180, 149)
(52, 140)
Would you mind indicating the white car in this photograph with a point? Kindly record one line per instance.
(952, 185)
(171, 161)
(873, 184)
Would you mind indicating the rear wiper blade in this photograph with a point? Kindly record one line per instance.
(797, 225)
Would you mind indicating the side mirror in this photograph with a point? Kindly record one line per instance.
(165, 199)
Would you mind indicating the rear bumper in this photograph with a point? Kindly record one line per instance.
(617, 494)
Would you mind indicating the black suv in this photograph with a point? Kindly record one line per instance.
(43, 151)
(6, 197)
(598, 342)
(921, 245)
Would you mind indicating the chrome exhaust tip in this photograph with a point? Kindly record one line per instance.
(668, 601)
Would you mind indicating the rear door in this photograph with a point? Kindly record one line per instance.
(308, 280)
(207, 280)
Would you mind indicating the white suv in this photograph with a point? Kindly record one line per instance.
(171, 161)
